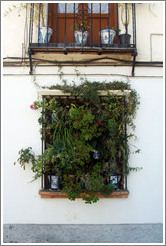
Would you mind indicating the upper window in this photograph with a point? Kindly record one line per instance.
(94, 8)
(64, 18)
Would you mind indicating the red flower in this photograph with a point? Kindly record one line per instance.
(32, 106)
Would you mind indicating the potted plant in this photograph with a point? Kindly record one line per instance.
(81, 31)
(44, 33)
(124, 37)
(107, 35)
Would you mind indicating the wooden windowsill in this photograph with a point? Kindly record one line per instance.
(58, 194)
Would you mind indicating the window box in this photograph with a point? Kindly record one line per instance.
(59, 194)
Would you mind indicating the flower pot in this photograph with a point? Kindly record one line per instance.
(54, 182)
(81, 37)
(124, 40)
(115, 181)
(96, 155)
(44, 36)
(107, 36)
(84, 181)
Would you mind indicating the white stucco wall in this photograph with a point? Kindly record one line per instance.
(20, 129)
(149, 31)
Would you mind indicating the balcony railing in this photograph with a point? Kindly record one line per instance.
(116, 23)
(62, 21)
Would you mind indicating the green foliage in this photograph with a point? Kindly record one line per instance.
(76, 129)
(81, 26)
(35, 7)
(122, 4)
(106, 190)
(82, 120)
(13, 7)
(113, 126)
(26, 156)
(135, 169)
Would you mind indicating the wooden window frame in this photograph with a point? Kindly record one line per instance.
(57, 23)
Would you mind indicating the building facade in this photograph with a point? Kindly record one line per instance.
(28, 65)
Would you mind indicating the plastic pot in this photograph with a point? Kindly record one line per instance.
(124, 40)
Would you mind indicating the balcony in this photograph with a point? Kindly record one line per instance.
(101, 23)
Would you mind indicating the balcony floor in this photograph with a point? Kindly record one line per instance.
(62, 47)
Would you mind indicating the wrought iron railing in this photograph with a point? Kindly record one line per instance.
(59, 18)
(50, 180)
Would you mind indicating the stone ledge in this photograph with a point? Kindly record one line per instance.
(89, 233)
(58, 194)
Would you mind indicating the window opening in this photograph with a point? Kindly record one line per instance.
(96, 8)
(64, 17)
(69, 9)
(113, 162)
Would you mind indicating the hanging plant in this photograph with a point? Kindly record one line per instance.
(87, 141)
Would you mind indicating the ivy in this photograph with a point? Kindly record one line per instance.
(88, 141)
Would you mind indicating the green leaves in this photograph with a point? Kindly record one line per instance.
(83, 121)
(75, 128)
(106, 190)
(112, 126)
(81, 117)
(26, 157)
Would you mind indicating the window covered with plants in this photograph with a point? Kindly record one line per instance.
(85, 138)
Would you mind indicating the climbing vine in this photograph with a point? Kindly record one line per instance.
(86, 137)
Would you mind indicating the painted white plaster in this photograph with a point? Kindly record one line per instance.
(149, 20)
(115, 72)
(20, 129)
(156, 50)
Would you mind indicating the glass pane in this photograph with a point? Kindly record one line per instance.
(96, 8)
(69, 7)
